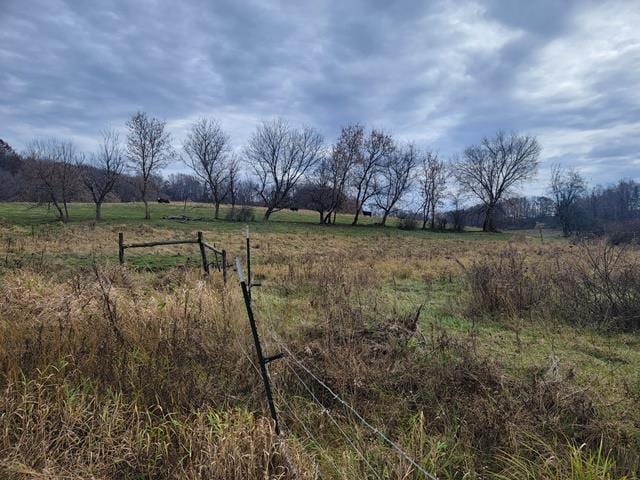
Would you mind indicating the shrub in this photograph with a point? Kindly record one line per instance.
(620, 233)
(505, 283)
(242, 214)
(407, 223)
(600, 286)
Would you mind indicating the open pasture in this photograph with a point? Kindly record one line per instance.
(482, 355)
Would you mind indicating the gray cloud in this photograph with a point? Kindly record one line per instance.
(441, 73)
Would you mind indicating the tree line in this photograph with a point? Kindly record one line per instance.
(283, 166)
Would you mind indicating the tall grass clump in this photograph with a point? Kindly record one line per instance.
(240, 214)
(58, 426)
(471, 407)
(593, 284)
(600, 286)
(108, 374)
(507, 282)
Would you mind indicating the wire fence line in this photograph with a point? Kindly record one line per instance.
(285, 447)
(310, 435)
(263, 361)
(336, 397)
(335, 422)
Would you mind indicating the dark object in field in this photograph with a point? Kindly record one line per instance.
(163, 200)
(366, 213)
(242, 214)
(184, 218)
(293, 209)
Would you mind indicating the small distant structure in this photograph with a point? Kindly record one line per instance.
(293, 209)
(366, 213)
(163, 200)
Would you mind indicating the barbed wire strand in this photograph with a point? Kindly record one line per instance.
(393, 444)
(310, 435)
(344, 434)
(285, 447)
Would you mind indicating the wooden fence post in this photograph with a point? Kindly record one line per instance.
(203, 253)
(224, 266)
(121, 248)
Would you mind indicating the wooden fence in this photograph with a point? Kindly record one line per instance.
(220, 256)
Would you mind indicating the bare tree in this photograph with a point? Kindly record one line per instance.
(318, 193)
(149, 150)
(233, 170)
(566, 189)
(491, 169)
(208, 155)
(53, 173)
(396, 176)
(377, 147)
(245, 191)
(346, 153)
(458, 198)
(433, 184)
(280, 157)
(105, 168)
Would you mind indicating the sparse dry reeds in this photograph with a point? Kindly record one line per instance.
(592, 283)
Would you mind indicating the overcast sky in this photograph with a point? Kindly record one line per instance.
(442, 74)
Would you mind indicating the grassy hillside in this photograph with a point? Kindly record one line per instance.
(482, 355)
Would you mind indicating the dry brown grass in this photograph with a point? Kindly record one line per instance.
(119, 372)
(591, 283)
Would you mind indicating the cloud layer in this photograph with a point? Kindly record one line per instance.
(443, 74)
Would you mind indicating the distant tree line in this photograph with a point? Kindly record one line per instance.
(575, 208)
(285, 167)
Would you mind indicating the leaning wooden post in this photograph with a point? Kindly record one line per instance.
(224, 266)
(203, 253)
(121, 248)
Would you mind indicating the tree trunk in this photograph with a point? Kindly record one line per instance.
(322, 218)
(216, 210)
(268, 213)
(98, 212)
(489, 225)
(66, 211)
(60, 212)
(384, 219)
(355, 218)
(147, 213)
(433, 217)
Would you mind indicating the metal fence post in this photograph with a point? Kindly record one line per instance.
(256, 340)
(249, 278)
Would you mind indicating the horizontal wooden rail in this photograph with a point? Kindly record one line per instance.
(155, 244)
(199, 241)
(212, 248)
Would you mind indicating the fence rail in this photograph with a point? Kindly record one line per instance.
(220, 265)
